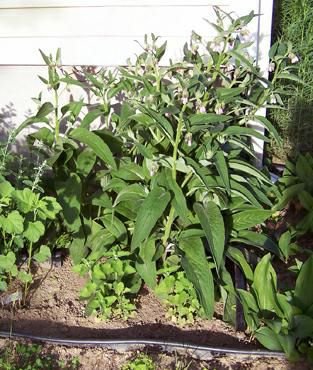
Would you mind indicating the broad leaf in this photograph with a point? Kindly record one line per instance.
(255, 239)
(43, 254)
(151, 209)
(145, 264)
(249, 218)
(198, 272)
(96, 144)
(222, 169)
(265, 285)
(69, 197)
(212, 222)
(303, 290)
(13, 223)
(34, 230)
(238, 257)
(268, 338)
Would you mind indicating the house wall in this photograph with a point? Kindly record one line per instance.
(101, 32)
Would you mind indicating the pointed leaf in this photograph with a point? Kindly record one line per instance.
(249, 218)
(96, 144)
(222, 168)
(212, 222)
(150, 211)
(198, 272)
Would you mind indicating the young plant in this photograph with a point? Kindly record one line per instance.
(112, 284)
(179, 295)
(24, 215)
(140, 362)
(281, 321)
(32, 357)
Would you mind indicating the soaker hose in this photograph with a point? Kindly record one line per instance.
(197, 351)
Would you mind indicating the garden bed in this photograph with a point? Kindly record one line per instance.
(54, 311)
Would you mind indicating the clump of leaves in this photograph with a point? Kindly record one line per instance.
(24, 215)
(113, 284)
(33, 357)
(281, 321)
(296, 186)
(179, 295)
(140, 362)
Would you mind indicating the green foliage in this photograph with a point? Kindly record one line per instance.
(296, 186)
(112, 284)
(140, 362)
(281, 321)
(24, 217)
(33, 357)
(179, 295)
(167, 174)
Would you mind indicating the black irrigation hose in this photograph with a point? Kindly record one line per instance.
(198, 351)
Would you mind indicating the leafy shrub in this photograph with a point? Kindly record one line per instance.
(25, 215)
(169, 173)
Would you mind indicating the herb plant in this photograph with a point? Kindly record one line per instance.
(169, 172)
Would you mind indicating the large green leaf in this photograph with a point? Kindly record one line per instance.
(43, 254)
(270, 128)
(6, 189)
(205, 118)
(115, 226)
(179, 200)
(69, 196)
(238, 257)
(252, 238)
(268, 338)
(85, 162)
(149, 212)
(247, 168)
(304, 283)
(26, 200)
(265, 285)
(212, 222)
(13, 223)
(94, 142)
(249, 218)
(222, 168)
(244, 131)
(34, 230)
(130, 192)
(145, 265)
(90, 117)
(198, 272)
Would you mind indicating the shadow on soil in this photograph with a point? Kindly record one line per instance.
(145, 331)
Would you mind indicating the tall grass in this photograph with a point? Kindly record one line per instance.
(293, 21)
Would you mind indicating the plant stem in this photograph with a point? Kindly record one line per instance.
(56, 115)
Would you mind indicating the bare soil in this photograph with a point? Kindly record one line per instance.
(54, 310)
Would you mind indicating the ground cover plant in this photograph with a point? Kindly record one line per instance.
(164, 192)
(17, 356)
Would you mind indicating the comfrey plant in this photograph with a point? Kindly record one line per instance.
(169, 176)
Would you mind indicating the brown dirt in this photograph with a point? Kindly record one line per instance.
(54, 310)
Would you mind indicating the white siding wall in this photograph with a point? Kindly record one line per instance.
(102, 32)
